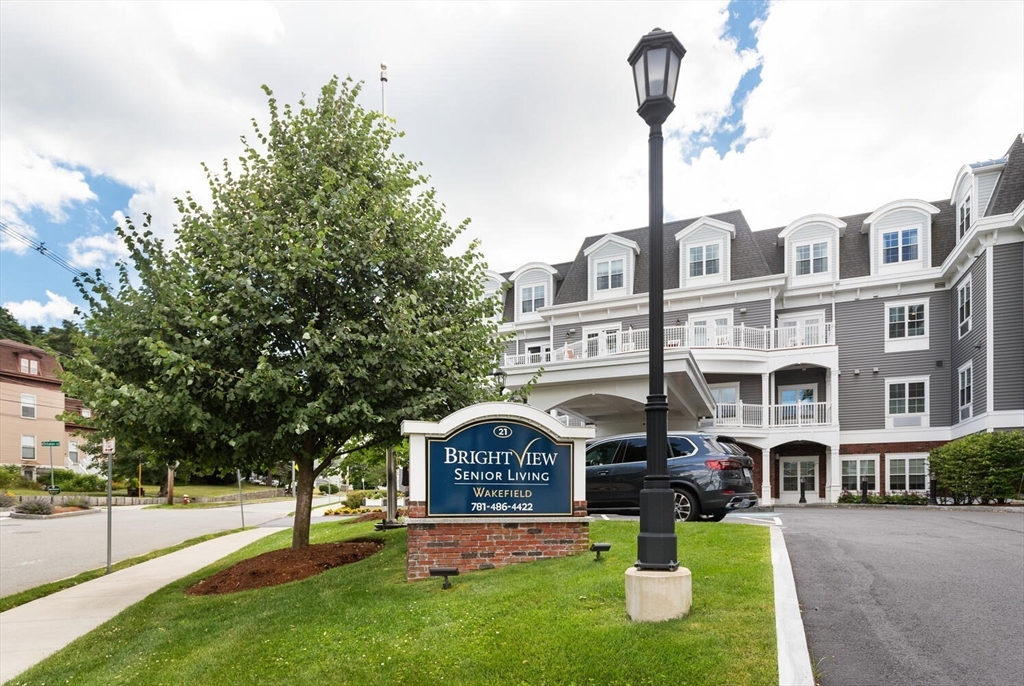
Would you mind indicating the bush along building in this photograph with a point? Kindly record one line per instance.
(835, 349)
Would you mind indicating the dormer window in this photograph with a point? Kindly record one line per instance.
(964, 217)
(705, 260)
(812, 258)
(610, 274)
(29, 366)
(899, 246)
(532, 298)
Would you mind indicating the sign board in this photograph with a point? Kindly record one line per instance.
(108, 446)
(53, 490)
(51, 444)
(499, 467)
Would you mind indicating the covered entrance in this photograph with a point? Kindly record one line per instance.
(797, 470)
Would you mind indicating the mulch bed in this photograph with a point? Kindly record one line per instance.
(287, 564)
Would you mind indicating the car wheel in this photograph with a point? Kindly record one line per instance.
(716, 516)
(686, 506)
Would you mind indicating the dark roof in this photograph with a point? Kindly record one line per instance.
(747, 261)
(1009, 190)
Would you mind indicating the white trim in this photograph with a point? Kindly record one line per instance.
(890, 418)
(614, 240)
(827, 219)
(990, 315)
(966, 283)
(905, 204)
(907, 342)
(905, 457)
(968, 366)
(858, 458)
(530, 266)
(708, 222)
(29, 401)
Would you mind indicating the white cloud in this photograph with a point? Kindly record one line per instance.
(31, 313)
(30, 181)
(89, 252)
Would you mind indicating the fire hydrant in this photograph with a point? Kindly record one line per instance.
(184, 499)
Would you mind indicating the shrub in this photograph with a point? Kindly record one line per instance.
(354, 501)
(985, 466)
(73, 481)
(329, 489)
(10, 477)
(887, 499)
(77, 501)
(37, 506)
(7, 499)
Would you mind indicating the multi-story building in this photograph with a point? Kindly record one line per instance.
(835, 349)
(30, 401)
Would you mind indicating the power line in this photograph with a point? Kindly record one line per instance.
(41, 248)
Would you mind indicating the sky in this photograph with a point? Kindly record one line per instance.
(522, 113)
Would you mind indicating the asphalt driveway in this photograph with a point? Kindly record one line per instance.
(906, 596)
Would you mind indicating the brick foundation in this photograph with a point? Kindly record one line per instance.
(471, 545)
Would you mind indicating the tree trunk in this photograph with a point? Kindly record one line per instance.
(303, 502)
(170, 485)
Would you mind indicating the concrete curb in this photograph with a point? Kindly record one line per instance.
(19, 515)
(794, 657)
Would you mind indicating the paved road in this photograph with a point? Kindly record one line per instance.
(895, 596)
(34, 551)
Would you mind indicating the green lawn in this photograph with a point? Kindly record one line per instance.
(549, 622)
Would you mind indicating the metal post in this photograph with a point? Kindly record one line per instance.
(241, 500)
(864, 491)
(52, 485)
(110, 499)
(933, 491)
(803, 489)
(656, 544)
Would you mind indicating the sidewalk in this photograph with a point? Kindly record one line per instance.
(28, 635)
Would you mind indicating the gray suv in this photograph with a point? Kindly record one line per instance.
(711, 475)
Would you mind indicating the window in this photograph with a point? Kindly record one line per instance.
(899, 246)
(907, 474)
(963, 307)
(726, 397)
(602, 341)
(533, 298)
(29, 366)
(907, 402)
(610, 274)
(705, 260)
(906, 321)
(856, 471)
(966, 381)
(711, 329)
(86, 412)
(812, 258)
(73, 452)
(28, 406)
(964, 217)
(796, 405)
(28, 447)
(535, 354)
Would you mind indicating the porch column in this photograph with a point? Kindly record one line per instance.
(766, 477)
(766, 387)
(834, 398)
(834, 478)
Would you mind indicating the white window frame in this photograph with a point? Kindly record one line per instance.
(86, 412)
(608, 338)
(905, 459)
(860, 462)
(963, 217)
(964, 307)
(532, 288)
(808, 328)
(609, 263)
(900, 234)
(907, 341)
(28, 403)
(965, 390)
(28, 442)
(29, 366)
(705, 275)
(904, 419)
(537, 353)
(730, 415)
(811, 258)
(73, 454)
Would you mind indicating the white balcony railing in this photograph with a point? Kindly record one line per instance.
(636, 340)
(753, 416)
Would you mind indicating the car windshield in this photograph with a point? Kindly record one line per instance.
(724, 446)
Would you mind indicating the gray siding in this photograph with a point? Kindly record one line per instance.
(750, 385)
(825, 307)
(796, 377)
(860, 330)
(971, 347)
(1008, 327)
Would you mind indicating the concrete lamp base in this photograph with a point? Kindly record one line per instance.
(654, 596)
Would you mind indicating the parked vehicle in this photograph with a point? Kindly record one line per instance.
(710, 475)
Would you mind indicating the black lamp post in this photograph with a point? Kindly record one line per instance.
(655, 62)
(499, 376)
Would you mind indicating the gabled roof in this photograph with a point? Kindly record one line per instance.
(1009, 191)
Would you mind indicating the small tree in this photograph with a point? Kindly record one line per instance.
(312, 307)
(989, 466)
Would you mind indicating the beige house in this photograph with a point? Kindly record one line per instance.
(30, 402)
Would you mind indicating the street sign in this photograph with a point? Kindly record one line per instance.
(53, 490)
(51, 444)
(108, 446)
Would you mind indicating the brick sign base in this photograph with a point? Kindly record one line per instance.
(471, 544)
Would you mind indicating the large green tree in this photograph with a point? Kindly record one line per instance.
(314, 305)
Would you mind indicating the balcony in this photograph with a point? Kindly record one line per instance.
(610, 343)
(748, 416)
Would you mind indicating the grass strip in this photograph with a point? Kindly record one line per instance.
(544, 622)
(15, 599)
